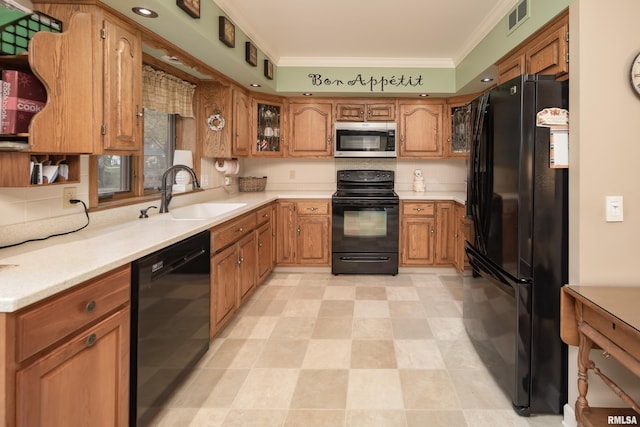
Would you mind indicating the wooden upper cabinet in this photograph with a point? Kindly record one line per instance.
(64, 125)
(241, 138)
(365, 111)
(214, 98)
(268, 127)
(420, 130)
(122, 128)
(310, 134)
(458, 126)
(545, 52)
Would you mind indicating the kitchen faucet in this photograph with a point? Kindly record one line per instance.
(165, 192)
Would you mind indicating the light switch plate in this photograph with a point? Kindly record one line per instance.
(614, 208)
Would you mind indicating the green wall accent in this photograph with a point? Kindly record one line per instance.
(435, 80)
(379, 81)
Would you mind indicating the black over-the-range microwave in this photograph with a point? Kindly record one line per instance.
(365, 139)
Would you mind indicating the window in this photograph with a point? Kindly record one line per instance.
(159, 144)
(115, 173)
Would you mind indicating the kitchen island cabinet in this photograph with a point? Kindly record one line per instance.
(71, 347)
(303, 232)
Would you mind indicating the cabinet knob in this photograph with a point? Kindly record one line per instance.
(90, 340)
(418, 209)
(299, 230)
(312, 209)
(90, 307)
(432, 231)
(240, 230)
(259, 243)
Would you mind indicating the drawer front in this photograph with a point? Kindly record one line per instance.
(230, 233)
(613, 329)
(313, 207)
(263, 215)
(418, 208)
(43, 325)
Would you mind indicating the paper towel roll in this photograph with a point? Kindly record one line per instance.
(228, 167)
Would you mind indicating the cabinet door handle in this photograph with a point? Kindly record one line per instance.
(90, 340)
(90, 307)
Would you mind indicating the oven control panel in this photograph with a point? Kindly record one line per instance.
(371, 176)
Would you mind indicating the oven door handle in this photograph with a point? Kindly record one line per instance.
(366, 203)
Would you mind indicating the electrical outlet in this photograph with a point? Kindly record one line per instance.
(68, 193)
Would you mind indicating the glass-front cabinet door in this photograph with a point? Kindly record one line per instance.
(269, 128)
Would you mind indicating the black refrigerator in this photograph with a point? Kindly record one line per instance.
(519, 256)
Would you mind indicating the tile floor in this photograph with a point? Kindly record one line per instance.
(312, 349)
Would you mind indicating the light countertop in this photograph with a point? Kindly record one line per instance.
(37, 270)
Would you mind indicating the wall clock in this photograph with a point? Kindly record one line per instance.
(635, 74)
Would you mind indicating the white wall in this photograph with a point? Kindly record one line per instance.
(605, 147)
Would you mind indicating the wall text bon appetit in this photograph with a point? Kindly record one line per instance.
(379, 83)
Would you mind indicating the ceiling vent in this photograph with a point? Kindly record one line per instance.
(518, 15)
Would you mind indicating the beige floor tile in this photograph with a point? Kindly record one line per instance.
(197, 389)
(294, 328)
(373, 354)
(367, 308)
(309, 292)
(412, 309)
(273, 292)
(253, 327)
(460, 354)
(336, 308)
(402, 293)
(421, 418)
(282, 353)
(209, 417)
(374, 389)
(265, 307)
(418, 354)
(174, 417)
(235, 353)
(333, 328)
(255, 418)
(372, 328)
(301, 308)
(476, 389)
(321, 389)
(225, 389)
(442, 309)
(406, 328)
(267, 389)
(314, 418)
(339, 293)
(495, 418)
(371, 292)
(447, 328)
(428, 389)
(327, 354)
(373, 418)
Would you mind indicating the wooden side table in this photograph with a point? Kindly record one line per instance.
(608, 318)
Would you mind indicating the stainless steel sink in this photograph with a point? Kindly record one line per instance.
(204, 210)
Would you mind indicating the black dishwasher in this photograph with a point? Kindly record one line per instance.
(170, 293)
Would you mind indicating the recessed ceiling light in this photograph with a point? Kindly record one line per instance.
(307, 94)
(486, 79)
(255, 85)
(143, 11)
(424, 95)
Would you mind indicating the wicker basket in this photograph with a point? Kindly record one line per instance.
(252, 183)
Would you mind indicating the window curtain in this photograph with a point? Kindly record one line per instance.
(166, 93)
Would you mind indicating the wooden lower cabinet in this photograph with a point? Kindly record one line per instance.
(65, 360)
(303, 232)
(241, 258)
(427, 236)
(83, 382)
(464, 231)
